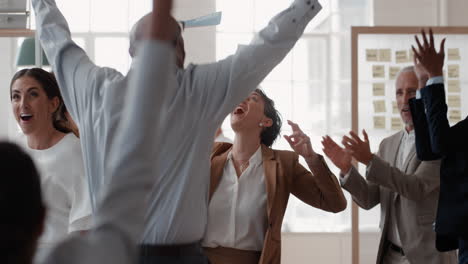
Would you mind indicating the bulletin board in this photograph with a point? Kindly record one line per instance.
(378, 54)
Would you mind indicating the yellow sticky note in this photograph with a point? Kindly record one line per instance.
(410, 55)
(378, 71)
(401, 56)
(454, 116)
(393, 72)
(378, 89)
(453, 86)
(385, 55)
(372, 55)
(379, 122)
(454, 101)
(395, 108)
(379, 106)
(453, 54)
(397, 124)
(454, 71)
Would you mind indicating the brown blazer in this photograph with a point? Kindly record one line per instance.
(284, 175)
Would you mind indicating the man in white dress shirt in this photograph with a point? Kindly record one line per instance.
(120, 215)
(191, 113)
(406, 188)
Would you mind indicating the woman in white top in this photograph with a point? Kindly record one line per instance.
(40, 112)
(251, 183)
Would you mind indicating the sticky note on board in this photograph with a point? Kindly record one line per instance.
(379, 122)
(454, 101)
(378, 71)
(396, 123)
(385, 55)
(372, 55)
(393, 72)
(453, 86)
(454, 71)
(454, 116)
(378, 89)
(410, 56)
(453, 54)
(379, 106)
(401, 56)
(395, 108)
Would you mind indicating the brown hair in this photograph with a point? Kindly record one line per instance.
(51, 88)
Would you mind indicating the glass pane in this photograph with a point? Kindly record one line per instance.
(238, 16)
(226, 44)
(340, 109)
(110, 16)
(309, 100)
(283, 71)
(112, 52)
(136, 10)
(265, 10)
(77, 14)
(310, 59)
(353, 13)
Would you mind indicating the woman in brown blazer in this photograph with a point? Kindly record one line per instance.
(251, 183)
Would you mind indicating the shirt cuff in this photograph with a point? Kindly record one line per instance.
(418, 94)
(435, 80)
(344, 177)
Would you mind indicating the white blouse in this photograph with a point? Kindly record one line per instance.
(64, 190)
(237, 213)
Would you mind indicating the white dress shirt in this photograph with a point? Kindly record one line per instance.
(190, 114)
(237, 214)
(120, 215)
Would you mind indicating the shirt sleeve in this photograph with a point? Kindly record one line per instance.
(120, 215)
(226, 83)
(75, 72)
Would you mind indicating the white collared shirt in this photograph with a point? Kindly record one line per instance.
(192, 109)
(237, 214)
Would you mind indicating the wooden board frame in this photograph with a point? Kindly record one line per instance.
(384, 30)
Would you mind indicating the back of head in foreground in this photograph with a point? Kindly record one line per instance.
(22, 210)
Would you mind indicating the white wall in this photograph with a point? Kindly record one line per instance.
(420, 13)
(8, 51)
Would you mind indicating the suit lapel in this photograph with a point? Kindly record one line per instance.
(394, 148)
(218, 161)
(269, 166)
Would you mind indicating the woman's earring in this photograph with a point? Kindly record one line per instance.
(260, 125)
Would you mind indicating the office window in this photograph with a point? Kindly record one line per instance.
(312, 86)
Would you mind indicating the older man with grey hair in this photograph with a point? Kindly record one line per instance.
(406, 188)
(188, 117)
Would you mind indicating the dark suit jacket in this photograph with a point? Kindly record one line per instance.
(283, 176)
(436, 139)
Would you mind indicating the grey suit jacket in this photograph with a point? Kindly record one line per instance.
(412, 194)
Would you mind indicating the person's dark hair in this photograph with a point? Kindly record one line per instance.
(51, 88)
(269, 134)
(22, 210)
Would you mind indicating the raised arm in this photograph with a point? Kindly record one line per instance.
(418, 113)
(226, 83)
(364, 193)
(416, 186)
(120, 217)
(319, 188)
(444, 138)
(75, 72)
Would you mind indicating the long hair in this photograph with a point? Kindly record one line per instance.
(49, 84)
